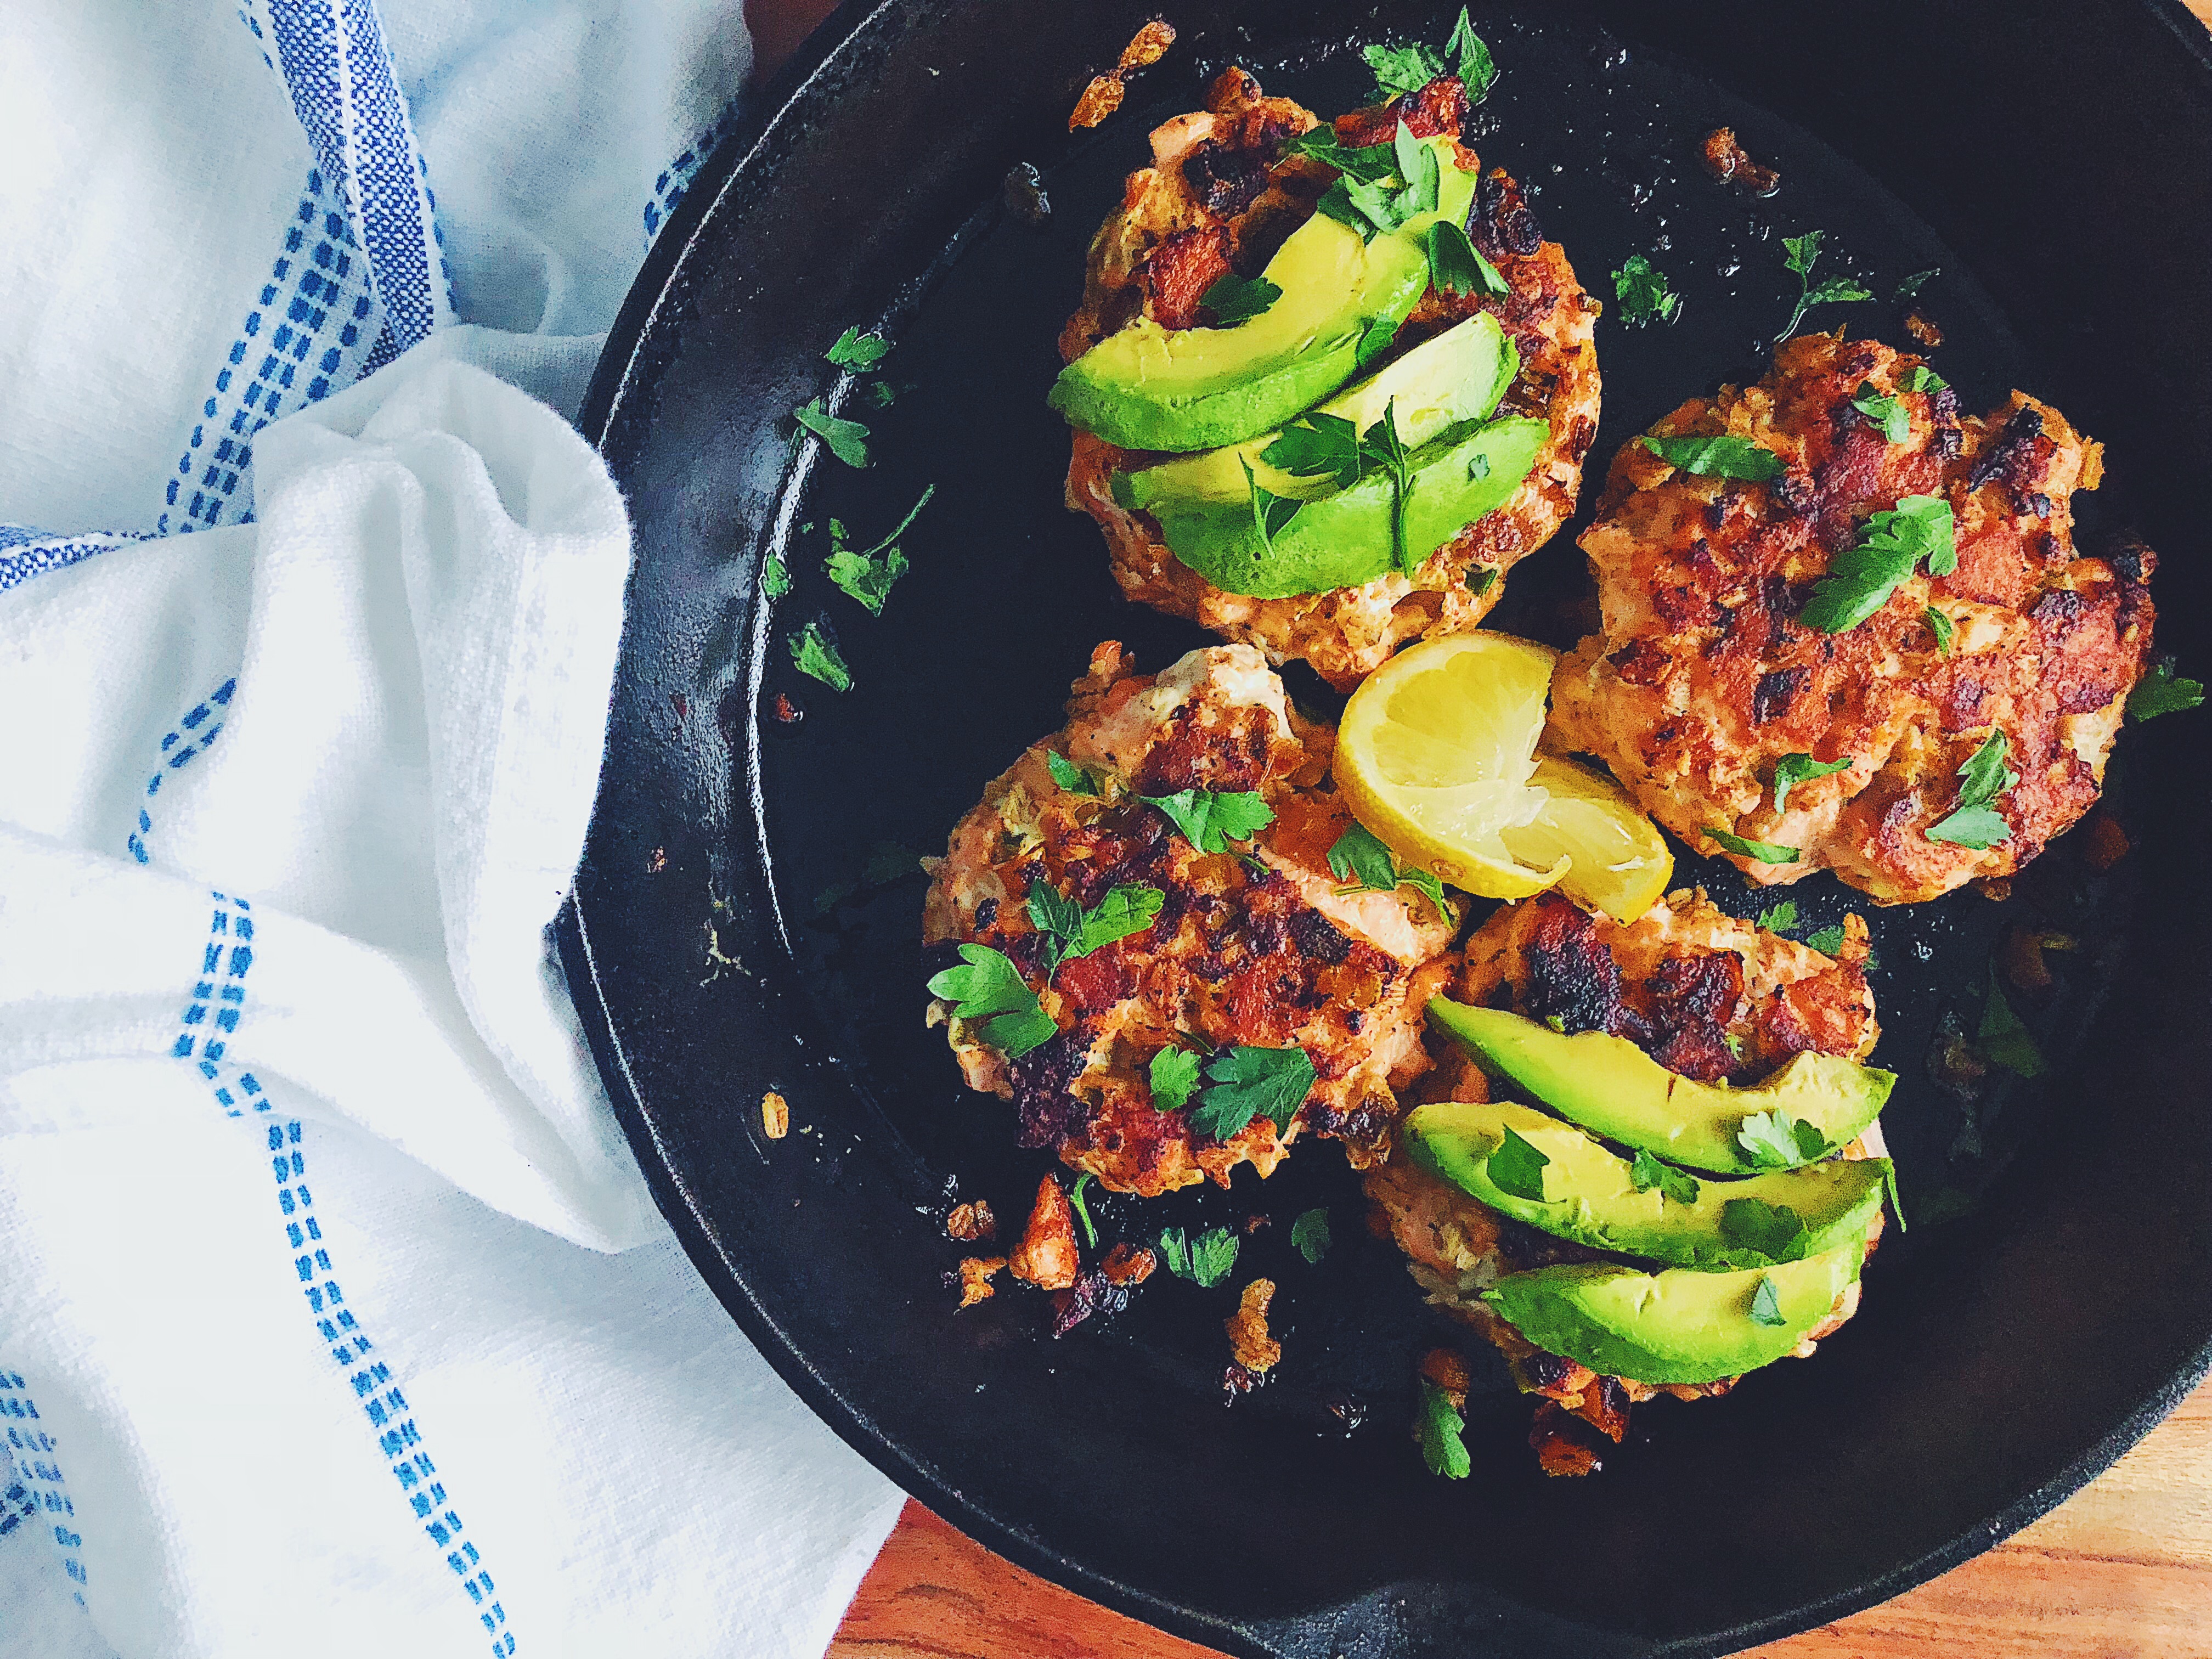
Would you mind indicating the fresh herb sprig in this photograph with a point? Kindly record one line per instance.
(1803, 252)
(1778, 918)
(1974, 821)
(1717, 456)
(1439, 1426)
(1793, 770)
(1642, 291)
(1883, 412)
(1402, 69)
(988, 991)
(1374, 207)
(1244, 1083)
(867, 573)
(1174, 1077)
(1775, 1141)
(1766, 1305)
(1328, 445)
(2162, 691)
(1210, 820)
(814, 654)
(1232, 299)
(1675, 1186)
(1074, 932)
(1206, 1261)
(1774, 1230)
(1516, 1167)
(847, 439)
(1310, 1236)
(1766, 852)
(1456, 266)
(1360, 860)
(1891, 545)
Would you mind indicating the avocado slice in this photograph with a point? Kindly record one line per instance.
(1150, 388)
(1677, 1326)
(1344, 540)
(1612, 1088)
(1589, 1198)
(1458, 376)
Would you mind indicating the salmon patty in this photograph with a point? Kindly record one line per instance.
(1221, 196)
(1703, 994)
(1707, 672)
(1253, 945)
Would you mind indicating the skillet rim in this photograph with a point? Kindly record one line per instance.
(628, 368)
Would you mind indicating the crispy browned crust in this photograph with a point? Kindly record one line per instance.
(1215, 199)
(1266, 956)
(1680, 982)
(1701, 677)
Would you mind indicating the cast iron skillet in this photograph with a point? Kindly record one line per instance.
(2054, 159)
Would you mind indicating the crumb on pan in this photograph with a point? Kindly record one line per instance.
(1727, 160)
(1254, 1350)
(775, 1116)
(975, 1273)
(1047, 1257)
(1104, 95)
(971, 1223)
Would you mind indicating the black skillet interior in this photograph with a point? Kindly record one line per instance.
(742, 934)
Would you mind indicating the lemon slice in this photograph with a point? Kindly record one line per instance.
(1435, 755)
(1619, 861)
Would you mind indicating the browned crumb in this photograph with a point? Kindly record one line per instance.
(775, 1116)
(1129, 1264)
(2019, 954)
(1045, 1257)
(970, 1222)
(1255, 1351)
(787, 713)
(975, 1273)
(1148, 45)
(1447, 1371)
(1727, 160)
(656, 861)
(1100, 100)
(1105, 94)
(2108, 842)
(1563, 1443)
(1919, 325)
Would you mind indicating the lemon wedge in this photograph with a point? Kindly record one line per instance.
(1437, 756)
(1434, 753)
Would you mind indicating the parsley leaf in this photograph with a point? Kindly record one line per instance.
(1470, 58)
(1974, 822)
(1765, 1306)
(1439, 1427)
(1360, 859)
(1803, 253)
(1826, 940)
(1773, 1140)
(1271, 514)
(1940, 625)
(1123, 911)
(1419, 167)
(775, 578)
(1316, 445)
(2163, 692)
(1912, 285)
(1244, 1083)
(1775, 1230)
(990, 992)
(847, 439)
(1309, 1235)
(1675, 1186)
(1233, 299)
(1174, 1252)
(1387, 452)
(1641, 289)
(1213, 1255)
(1886, 412)
(867, 574)
(1068, 775)
(1457, 266)
(2003, 1039)
(1365, 207)
(1369, 162)
(1402, 69)
(1862, 578)
(1361, 199)
(1718, 457)
(1082, 1210)
(1921, 377)
(1780, 917)
(813, 651)
(1794, 769)
(1174, 1075)
(1517, 1168)
(1209, 821)
(1764, 851)
(1375, 339)
(857, 350)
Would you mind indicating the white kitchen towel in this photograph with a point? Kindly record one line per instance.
(333, 1314)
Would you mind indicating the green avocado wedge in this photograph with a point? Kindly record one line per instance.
(1677, 1326)
(1344, 540)
(1612, 1088)
(1150, 388)
(1589, 1197)
(1458, 376)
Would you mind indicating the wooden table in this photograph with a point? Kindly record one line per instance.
(2122, 1570)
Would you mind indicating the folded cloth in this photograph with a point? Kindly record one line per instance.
(333, 1308)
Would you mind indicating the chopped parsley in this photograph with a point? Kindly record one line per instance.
(1675, 1186)
(1517, 1168)
(1457, 266)
(1375, 339)
(1471, 59)
(1891, 545)
(1793, 770)
(867, 574)
(856, 351)
(1082, 1210)
(1439, 1427)
(814, 652)
(2162, 691)
(2003, 1039)
(989, 992)
(1766, 1306)
(847, 439)
(1206, 1260)
(1174, 1075)
(1076, 932)
(775, 577)
(1886, 412)
(1309, 1235)
(1775, 1230)
(1717, 456)
(1317, 446)
(1803, 252)
(1973, 822)
(1941, 627)
(1068, 775)
(1402, 69)
(1912, 285)
(1369, 163)
(1773, 1141)
(1641, 289)
(1779, 918)
(1827, 940)
(1764, 851)
(1360, 860)
(1233, 299)
(1244, 1083)
(1921, 377)
(1271, 514)
(1209, 822)
(1371, 206)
